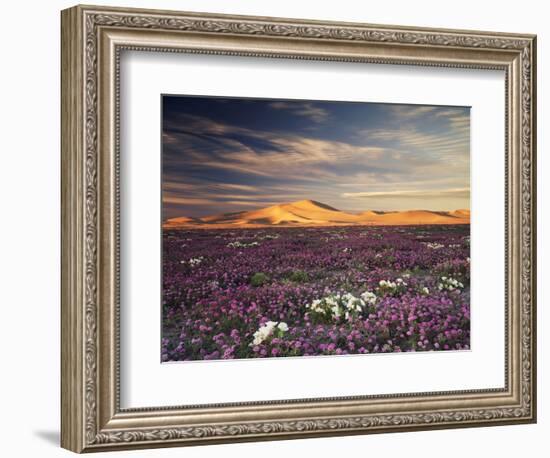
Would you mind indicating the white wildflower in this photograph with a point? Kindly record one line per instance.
(369, 297)
(193, 261)
(392, 287)
(238, 244)
(387, 284)
(282, 326)
(267, 330)
(352, 303)
(449, 284)
(315, 305)
(334, 306)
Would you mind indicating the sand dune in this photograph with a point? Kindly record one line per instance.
(312, 213)
(185, 220)
(462, 213)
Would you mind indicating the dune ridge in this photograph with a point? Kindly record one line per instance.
(312, 213)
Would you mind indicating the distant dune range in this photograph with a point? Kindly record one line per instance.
(312, 213)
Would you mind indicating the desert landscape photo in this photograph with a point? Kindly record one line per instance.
(307, 228)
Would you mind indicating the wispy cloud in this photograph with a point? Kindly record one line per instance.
(442, 138)
(411, 111)
(240, 187)
(305, 109)
(186, 200)
(446, 144)
(417, 194)
(222, 146)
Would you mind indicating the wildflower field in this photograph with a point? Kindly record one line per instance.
(275, 292)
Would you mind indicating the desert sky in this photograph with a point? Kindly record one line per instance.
(223, 155)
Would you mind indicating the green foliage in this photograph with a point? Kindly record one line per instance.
(259, 279)
(459, 269)
(298, 276)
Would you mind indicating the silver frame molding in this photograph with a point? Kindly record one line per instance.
(92, 40)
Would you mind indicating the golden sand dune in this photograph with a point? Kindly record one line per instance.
(183, 220)
(462, 213)
(419, 217)
(312, 213)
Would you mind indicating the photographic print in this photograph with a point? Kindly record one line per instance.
(296, 228)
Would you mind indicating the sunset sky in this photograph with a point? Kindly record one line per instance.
(232, 154)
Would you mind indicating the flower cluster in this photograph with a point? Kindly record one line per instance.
(369, 297)
(269, 329)
(194, 261)
(435, 246)
(392, 288)
(335, 306)
(268, 237)
(449, 284)
(239, 244)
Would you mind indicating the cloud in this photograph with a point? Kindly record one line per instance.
(412, 138)
(207, 144)
(449, 143)
(308, 110)
(256, 203)
(240, 187)
(216, 194)
(185, 200)
(423, 113)
(435, 130)
(412, 111)
(423, 194)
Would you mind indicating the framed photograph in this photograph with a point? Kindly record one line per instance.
(277, 228)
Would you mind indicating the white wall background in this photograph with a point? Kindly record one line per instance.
(29, 229)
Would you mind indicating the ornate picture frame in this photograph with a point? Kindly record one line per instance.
(93, 39)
